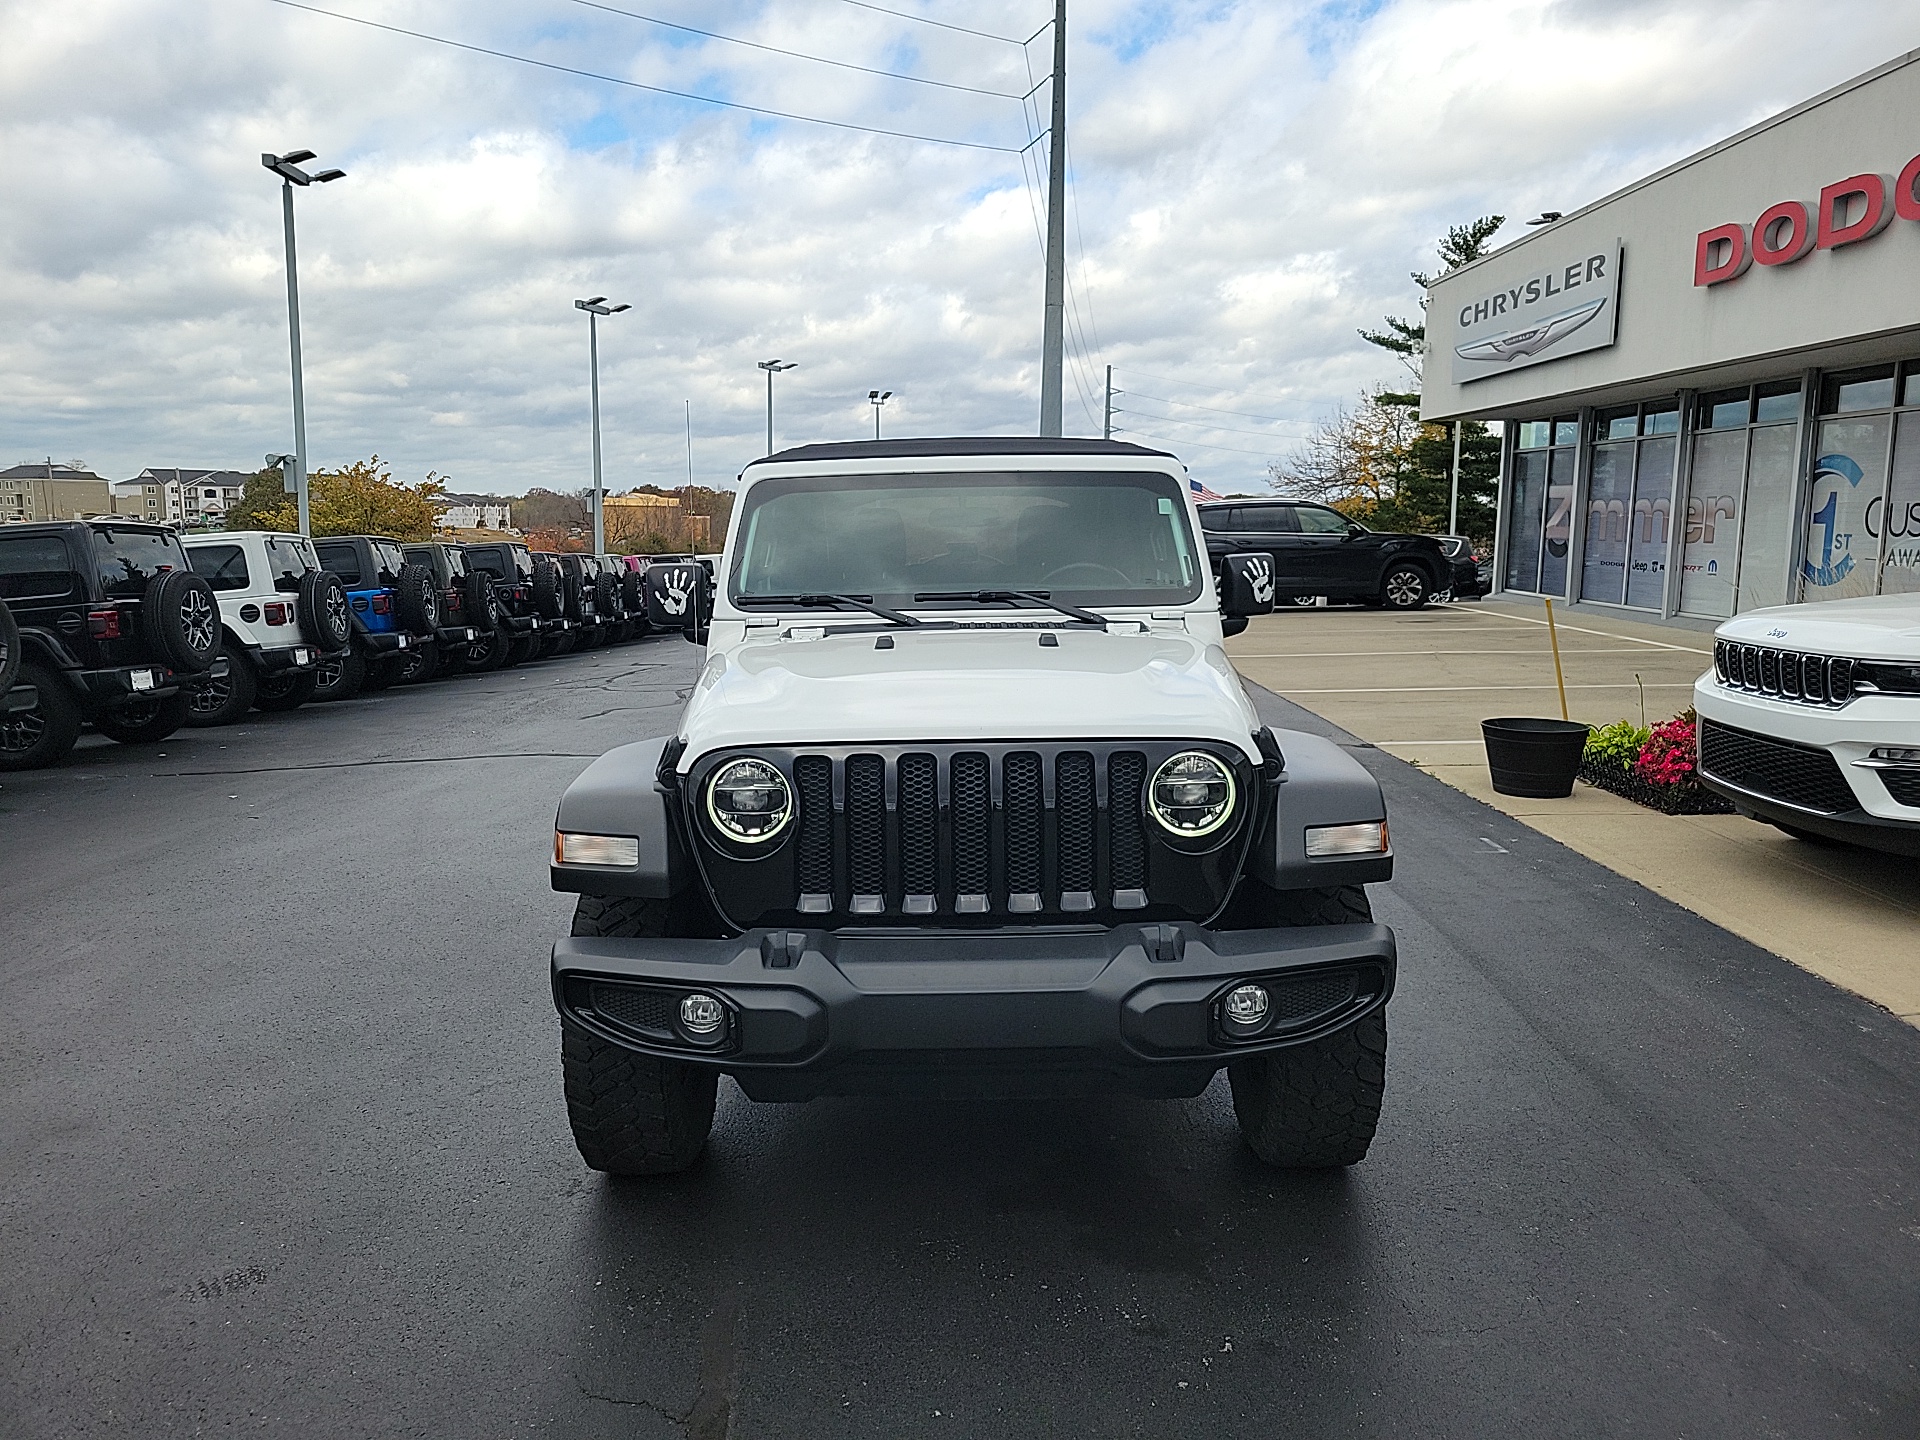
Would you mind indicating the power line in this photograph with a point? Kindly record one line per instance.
(1207, 424)
(1234, 449)
(636, 85)
(1214, 409)
(1199, 385)
(794, 54)
(923, 20)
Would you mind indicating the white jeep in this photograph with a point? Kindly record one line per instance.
(1810, 719)
(281, 616)
(968, 799)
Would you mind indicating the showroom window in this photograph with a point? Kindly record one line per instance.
(1540, 505)
(1739, 516)
(1629, 516)
(1863, 513)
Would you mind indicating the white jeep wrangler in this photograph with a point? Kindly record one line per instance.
(281, 615)
(1810, 719)
(968, 799)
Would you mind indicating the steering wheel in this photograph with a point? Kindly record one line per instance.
(1126, 581)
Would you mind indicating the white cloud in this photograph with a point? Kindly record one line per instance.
(1253, 182)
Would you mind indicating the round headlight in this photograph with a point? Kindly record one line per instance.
(749, 801)
(1191, 795)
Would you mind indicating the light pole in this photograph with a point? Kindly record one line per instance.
(773, 368)
(595, 308)
(287, 167)
(877, 398)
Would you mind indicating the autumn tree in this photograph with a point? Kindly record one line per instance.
(265, 504)
(364, 499)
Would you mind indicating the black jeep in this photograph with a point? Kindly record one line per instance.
(525, 593)
(469, 612)
(395, 609)
(114, 628)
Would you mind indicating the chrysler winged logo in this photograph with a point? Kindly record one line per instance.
(1533, 339)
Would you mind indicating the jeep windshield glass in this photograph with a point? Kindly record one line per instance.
(1094, 538)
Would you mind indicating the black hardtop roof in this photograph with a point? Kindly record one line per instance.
(920, 449)
(92, 522)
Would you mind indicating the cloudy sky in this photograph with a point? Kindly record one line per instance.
(1251, 182)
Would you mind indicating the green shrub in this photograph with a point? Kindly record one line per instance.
(1617, 745)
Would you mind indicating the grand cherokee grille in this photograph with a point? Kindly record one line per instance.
(1779, 769)
(988, 834)
(1785, 674)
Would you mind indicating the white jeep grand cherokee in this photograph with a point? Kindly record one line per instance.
(1810, 719)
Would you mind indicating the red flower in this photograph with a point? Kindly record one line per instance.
(1667, 757)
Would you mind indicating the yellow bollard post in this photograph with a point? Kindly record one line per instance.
(1559, 675)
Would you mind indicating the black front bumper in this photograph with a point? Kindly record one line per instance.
(1133, 1009)
(1852, 827)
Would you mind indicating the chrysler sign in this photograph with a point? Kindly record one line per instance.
(1561, 309)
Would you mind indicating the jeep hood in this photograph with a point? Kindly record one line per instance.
(1878, 627)
(975, 684)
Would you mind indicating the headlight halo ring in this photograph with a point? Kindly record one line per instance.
(727, 822)
(1215, 814)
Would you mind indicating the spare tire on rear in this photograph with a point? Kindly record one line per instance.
(483, 606)
(416, 599)
(322, 607)
(9, 648)
(608, 600)
(180, 620)
(546, 588)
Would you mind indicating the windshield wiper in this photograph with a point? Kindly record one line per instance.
(837, 602)
(1007, 597)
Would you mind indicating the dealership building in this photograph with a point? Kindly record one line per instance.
(1709, 381)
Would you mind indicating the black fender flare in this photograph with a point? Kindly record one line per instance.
(619, 795)
(1321, 785)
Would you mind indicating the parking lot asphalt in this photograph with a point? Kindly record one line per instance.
(285, 1151)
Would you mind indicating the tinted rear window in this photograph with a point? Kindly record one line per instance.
(129, 559)
(224, 567)
(489, 561)
(34, 567)
(342, 560)
(390, 557)
(288, 560)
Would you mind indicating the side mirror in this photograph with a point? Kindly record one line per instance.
(1355, 531)
(676, 596)
(1232, 625)
(1246, 585)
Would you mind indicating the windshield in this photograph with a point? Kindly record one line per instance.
(1095, 538)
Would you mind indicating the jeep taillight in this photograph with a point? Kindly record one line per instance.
(276, 614)
(382, 604)
(103, 624)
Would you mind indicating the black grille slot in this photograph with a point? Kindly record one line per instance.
(1295, 1001)
(1795, 774)
(1814, 679)
(813, 776)
(1075, 809)
(867, 825)
(1127, 842)
(1023, 805)
(1902, 785)
(919, 824)
(1770, 672)
(972, 801)
(1750, 667)
(635, 1007)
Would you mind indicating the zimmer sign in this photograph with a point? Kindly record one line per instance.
(1561, 309)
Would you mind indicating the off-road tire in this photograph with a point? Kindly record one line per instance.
(34, 739)
(481, 602)
(145, 722)
(607, 599)
(276, 693)
(321, 606)
(9, 648)
(633, 589)
(340, 679)
(415, 666)
(547, 598)
(632, 1114)
(383, 673)
(559, 644)
(490, 653)
(1405, 586)
(525, 648)
(180, 621)
(415, 600)
(221, 702)
(1314, 1106)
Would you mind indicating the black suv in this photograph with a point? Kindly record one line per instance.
(395, 609)
(1318, 551)
(527, 591)
(469, 612)
(114, 628)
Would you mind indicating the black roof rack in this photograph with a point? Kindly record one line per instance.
(959, 445)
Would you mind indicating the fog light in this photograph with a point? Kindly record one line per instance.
(702, 1016)
(1369, 838)
(1899, 754)
(1245, 1009)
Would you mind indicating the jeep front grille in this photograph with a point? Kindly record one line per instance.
(1785, 674)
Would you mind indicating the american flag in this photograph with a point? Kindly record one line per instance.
(1201, 492)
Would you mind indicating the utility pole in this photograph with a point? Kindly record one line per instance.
(1053, 333)
(1453, 505)
(773, 368)
(287, 167)
(595, 308)
(1106, 425)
